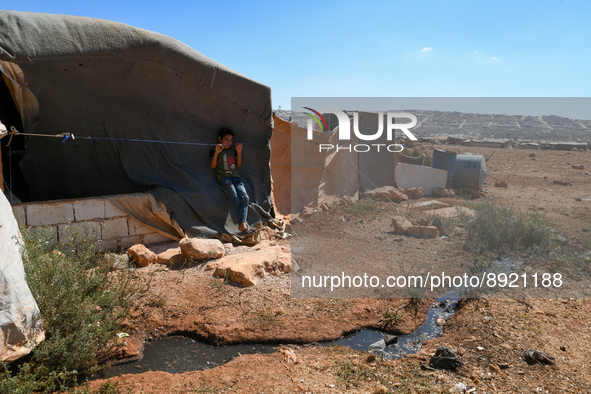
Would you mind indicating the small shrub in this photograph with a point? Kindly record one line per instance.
(416, 152)
(82, 304)
(364, 207)
(497, 226)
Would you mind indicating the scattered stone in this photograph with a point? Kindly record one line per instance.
(415, 231)
(428, 205)
(429, 231)
(579, 167)
(532, 155)
(503, 365)
(247, 239)
(444, 358)
(326, 206)
(170, 256)
(387, 193)
(563, 183)
(501, 184)
(401, 224)
(141, 256)
(379, 345)
(201, 249)
(381, 389)
(533, 356)
(578, 199)
(399, 239)
(441, 192)
(422, 221)
(415, 193)
(248, 268)
(440, 321)
(391, 340)
(307, 211)
(349, 199)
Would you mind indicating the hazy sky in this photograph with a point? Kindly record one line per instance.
(538, 48)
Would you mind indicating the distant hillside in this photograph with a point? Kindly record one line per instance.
(469, 125)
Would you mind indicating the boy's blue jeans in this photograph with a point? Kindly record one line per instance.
(235, 189)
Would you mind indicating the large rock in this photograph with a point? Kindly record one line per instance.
(141, 256)
(429, 231)
(248, 268)
(201, 249)
(170, 256)
(415, 231)
(401, 224)
(441, 192)
(444, 358)
(415, 192)
(387, 193)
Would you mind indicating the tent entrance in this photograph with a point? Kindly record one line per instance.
(11, 177)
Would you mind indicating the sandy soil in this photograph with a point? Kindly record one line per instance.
(489, 336)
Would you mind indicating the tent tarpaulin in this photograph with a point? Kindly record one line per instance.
(102, 79)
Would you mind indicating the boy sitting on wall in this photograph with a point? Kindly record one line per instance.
(226, 159)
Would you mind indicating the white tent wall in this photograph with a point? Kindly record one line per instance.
(20, 319)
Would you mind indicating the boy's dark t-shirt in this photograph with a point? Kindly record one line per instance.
(226, 163)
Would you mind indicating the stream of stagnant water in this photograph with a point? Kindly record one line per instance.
(178, 354)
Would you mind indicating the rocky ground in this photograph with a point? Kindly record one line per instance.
(489, 336)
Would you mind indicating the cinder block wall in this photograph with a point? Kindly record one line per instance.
(113, 229)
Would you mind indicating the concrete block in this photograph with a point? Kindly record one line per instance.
(111, 244)
(82, 231)
(89, 209)
(20, 214)
(111, 211)
(409, 175)
(115, 228)
(51, 213)
(136, 227)
(154, 238)
(128, 242)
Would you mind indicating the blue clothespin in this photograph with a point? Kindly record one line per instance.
(64, 139)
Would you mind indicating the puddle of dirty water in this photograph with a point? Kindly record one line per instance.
(182, 354)
(389, 346)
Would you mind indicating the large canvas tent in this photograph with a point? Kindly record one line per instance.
(112, 85)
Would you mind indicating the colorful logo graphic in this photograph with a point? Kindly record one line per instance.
(316, 119)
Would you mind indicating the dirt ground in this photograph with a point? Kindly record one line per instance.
(488, 335)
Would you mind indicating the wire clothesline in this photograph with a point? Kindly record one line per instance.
(66, 136)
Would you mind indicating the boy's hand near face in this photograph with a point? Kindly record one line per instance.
(239, 155)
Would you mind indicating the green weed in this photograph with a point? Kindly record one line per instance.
(499, 227)
(82, 304)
